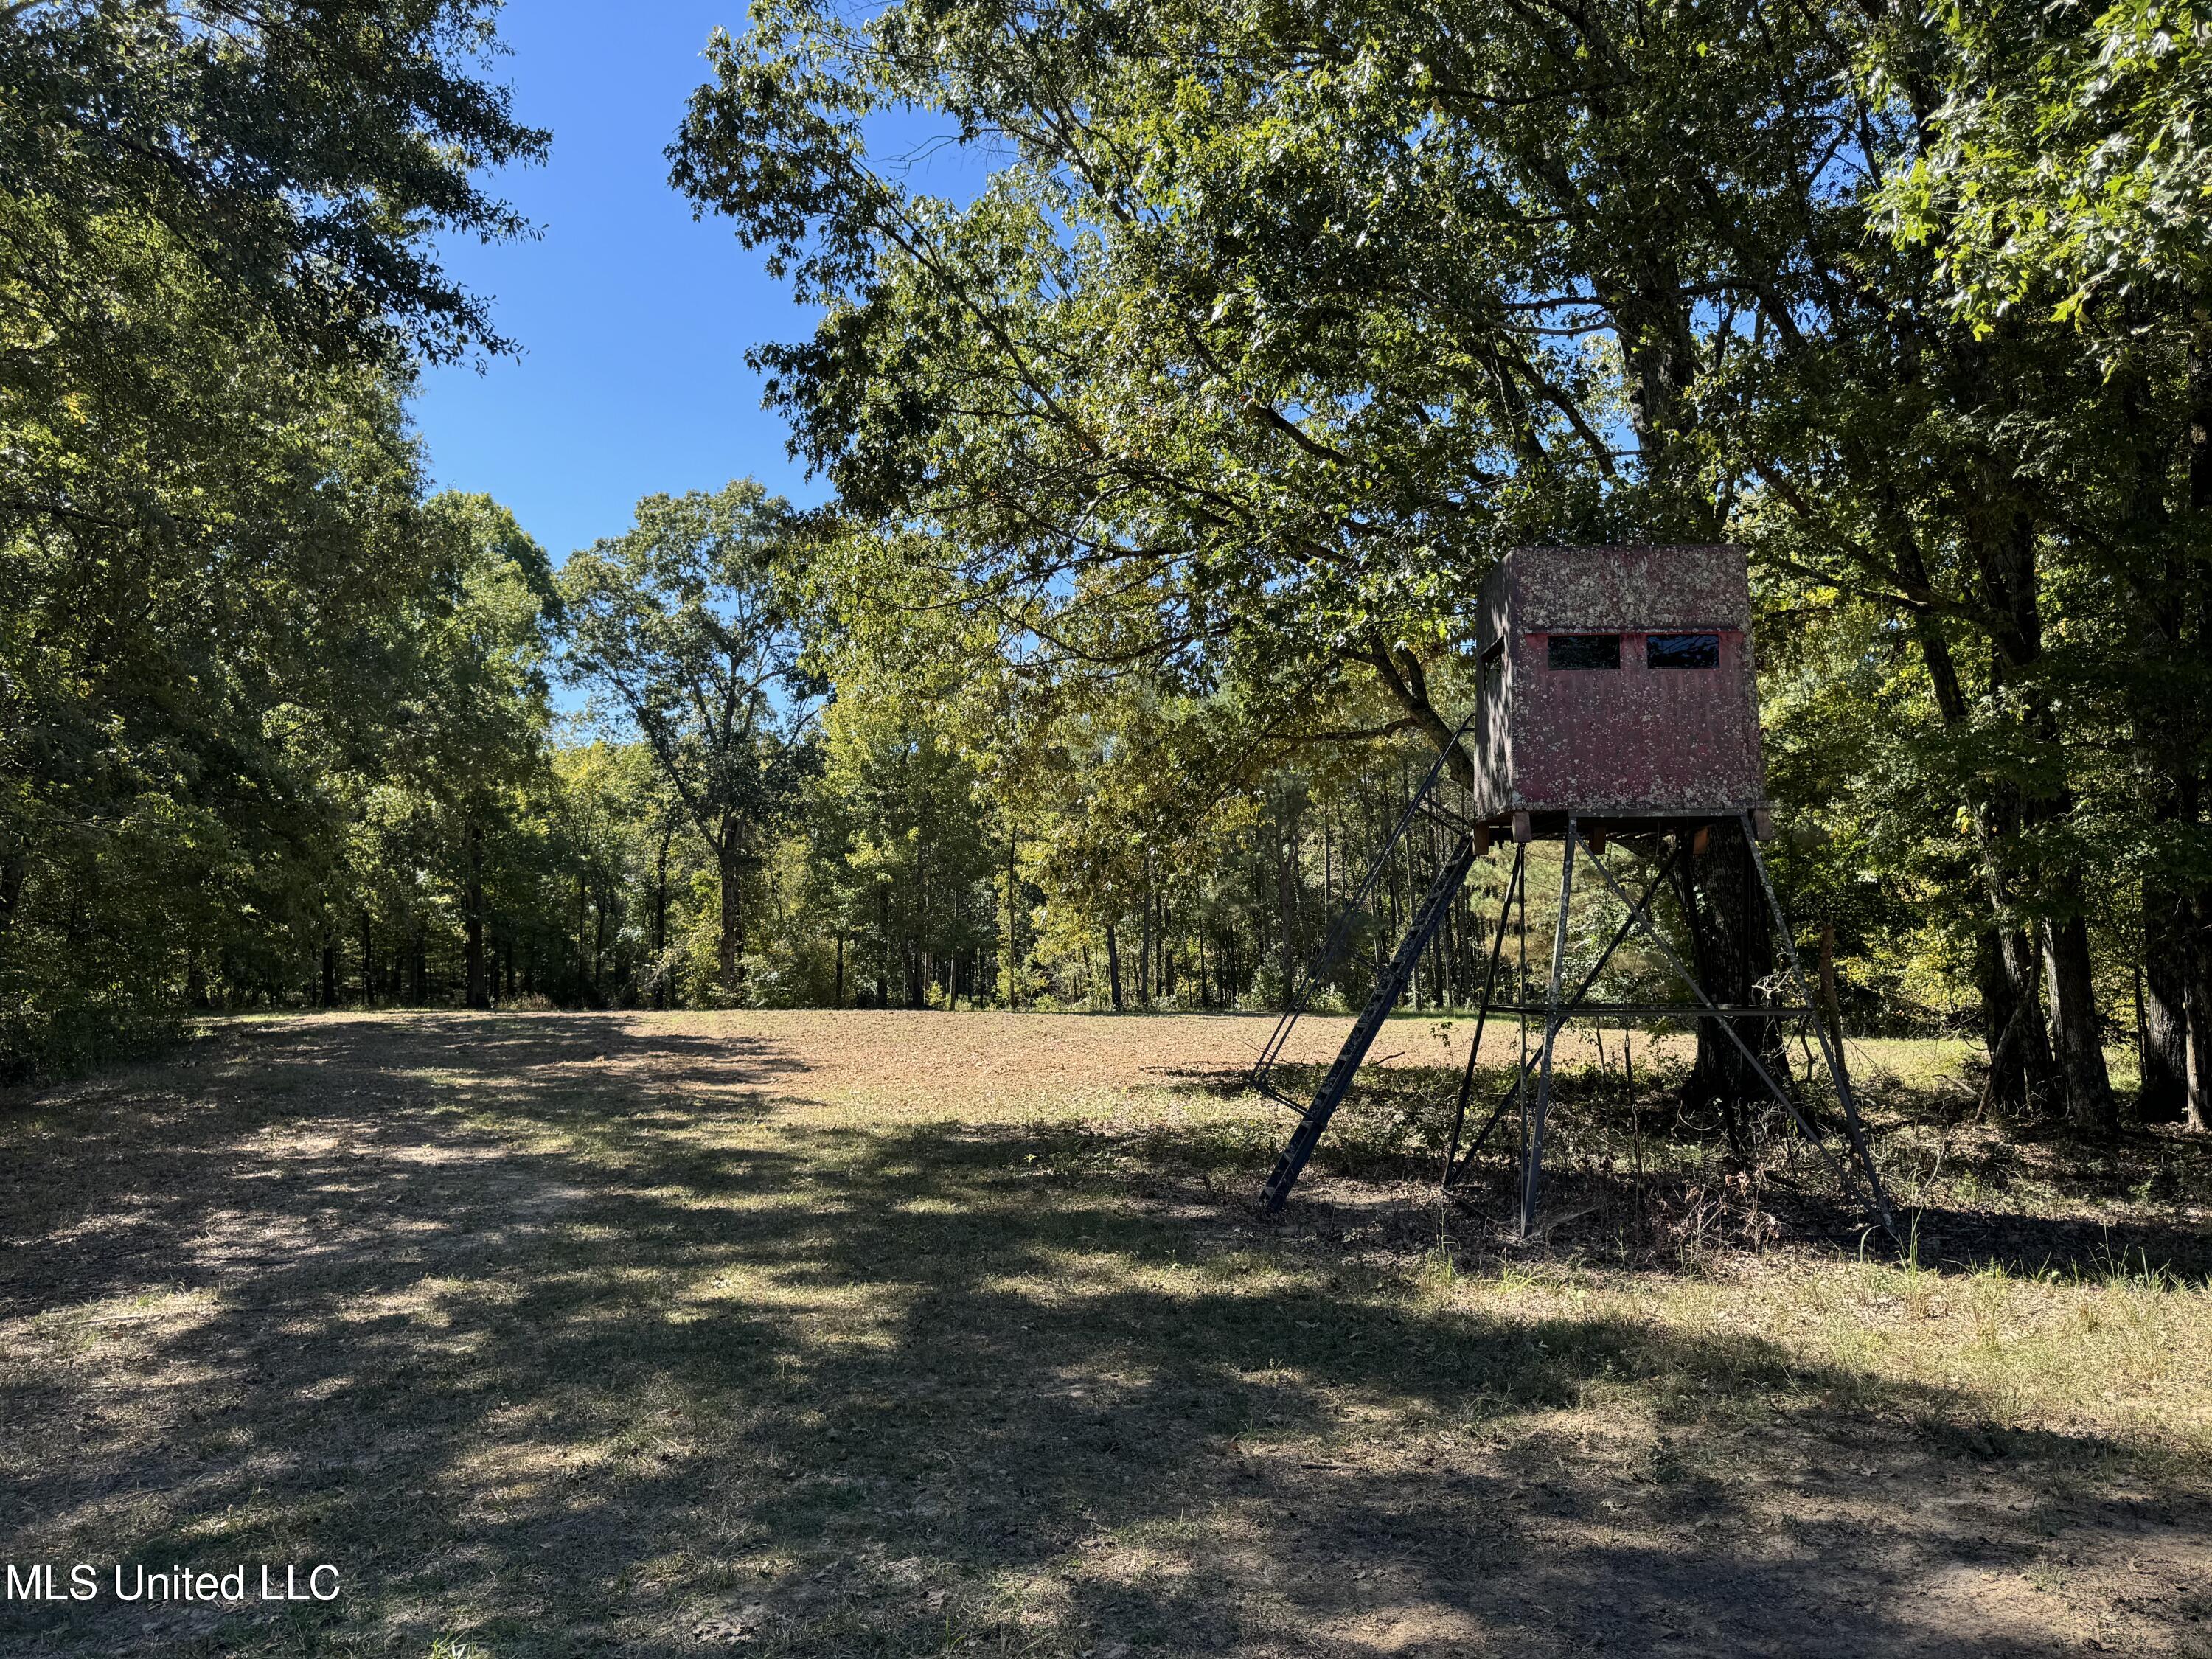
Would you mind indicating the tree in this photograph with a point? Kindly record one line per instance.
(215, 276)
(681, 628)
(198, 595)
(1277, 326)
(904, 848)
(2066, 181)
(299, 153)
(473, 730)
(1134, 420)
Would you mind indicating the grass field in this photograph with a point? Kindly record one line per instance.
(925, 1333)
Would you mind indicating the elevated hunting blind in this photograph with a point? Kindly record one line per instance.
(1614, 695)
(1616, 684)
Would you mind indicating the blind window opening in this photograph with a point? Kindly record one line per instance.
(1682, 650)
(1585, 650)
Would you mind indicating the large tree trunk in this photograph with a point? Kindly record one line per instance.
(1167, 949)
(330, 974)
(1286, 878)
(1013, 922)
(583, 973)
(2196, 955)
(15, 871)
(2177, 970)
(2023, 1076)
(883, 945)
(1113, 965)
(2164, 1097)
(2004, 538)
(1732, 951)
(2039, 1083)
(2075, 1024)
(1145, 940)
(2166, 729)
(731, 944)
(660, 966)
(2070, 992)
(478, 989)
(602, 903)
(2199, 959)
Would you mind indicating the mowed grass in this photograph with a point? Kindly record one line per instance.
(925, 1333)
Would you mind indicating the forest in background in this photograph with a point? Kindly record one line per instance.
(1165, 471)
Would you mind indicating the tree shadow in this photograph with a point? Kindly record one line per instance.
(1637, 1190)
(570, 1355)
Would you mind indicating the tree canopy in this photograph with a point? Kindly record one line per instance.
(1277, 325)
(682, 628)
(1163, 469)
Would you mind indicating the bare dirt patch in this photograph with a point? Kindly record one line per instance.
(861, 1334)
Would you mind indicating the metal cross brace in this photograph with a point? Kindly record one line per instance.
(1574, 1005)
(1644, 920)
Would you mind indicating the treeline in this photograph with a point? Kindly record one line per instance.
(1166, 469)
(233, 633)
(883, 881)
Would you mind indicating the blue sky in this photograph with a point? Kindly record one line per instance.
(633, 319)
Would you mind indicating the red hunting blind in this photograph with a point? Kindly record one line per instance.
(1615, 695)
(1616, 684)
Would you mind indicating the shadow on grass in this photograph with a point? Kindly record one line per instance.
(565, 1339)
(1639, 1186)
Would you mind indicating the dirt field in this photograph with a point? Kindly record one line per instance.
(925, 1333)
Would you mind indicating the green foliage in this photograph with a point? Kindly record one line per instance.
(220, 587)
(905, 859)
(297, 155)
(1166, 470)
(1272, 327)
(682, 631)
(2069, 167)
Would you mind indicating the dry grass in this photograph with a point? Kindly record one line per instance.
(859, 1334)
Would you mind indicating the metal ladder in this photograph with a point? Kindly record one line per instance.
(1339, 934)
(1389, 985)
